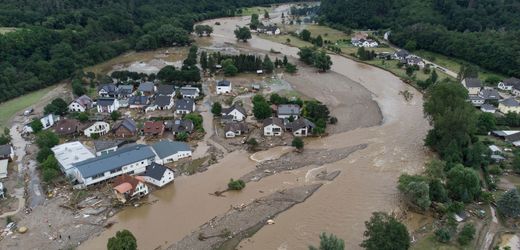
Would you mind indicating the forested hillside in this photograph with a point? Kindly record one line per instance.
(57, 37)
(484, 32)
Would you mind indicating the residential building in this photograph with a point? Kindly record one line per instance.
(508, 84)
(147, 88)
(414, 60)
(3, 168)
(125, 91)
(476, 100)
(489, 94)
(2, 194)
(128, 187)
(367, 43)
(169, 151)
(509, 105)
(234, 113)
(300, 127)
(401, 54)
(6, 152)
(473, 85)
(234, 129)
(285, 111)
(138, 102)
(49, 120)
(66, 127)
(107, 105)
(189, 92)
(81, 104)
(106, 146)
(166, 90)
(184, 106)
(273, 126)
(107, 90)
(272, 30)
(224, 87)
(128, 160)
(91, 128)
(488, 108)
(125, 128)
(151, 128)
(161, 103)
(516, 90)
(179, 125)
(158, 175)
(68, 154)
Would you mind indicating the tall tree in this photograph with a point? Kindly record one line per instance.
(123, 240)
(243, 33)
(383, 232)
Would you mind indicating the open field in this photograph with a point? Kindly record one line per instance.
(326, 33)
(429, 242)
(401, 72)
(4, 30)
(258, 10)
(10, 108)
(294, 41)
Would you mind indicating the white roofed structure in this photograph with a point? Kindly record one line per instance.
(69, 153)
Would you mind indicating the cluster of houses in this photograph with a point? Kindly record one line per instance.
(362, 40)
(406, 58)
(489, 99)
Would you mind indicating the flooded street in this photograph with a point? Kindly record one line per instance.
(370, 111)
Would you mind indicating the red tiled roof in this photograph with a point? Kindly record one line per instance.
(153, 127)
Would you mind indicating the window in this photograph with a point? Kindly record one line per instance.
(113, 171)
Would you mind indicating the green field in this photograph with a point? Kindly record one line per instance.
(10, 108)
(401, 72)
(429, 242)
(258, 10)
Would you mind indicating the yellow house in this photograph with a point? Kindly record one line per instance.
(509, 105)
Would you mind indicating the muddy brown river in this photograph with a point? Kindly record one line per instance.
(370, 110)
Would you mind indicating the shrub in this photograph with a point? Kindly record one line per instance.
(466, 235)
(297, 142)
(443, 235)
(236, 184)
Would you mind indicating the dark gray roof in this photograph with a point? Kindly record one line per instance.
(513, 137)
(300, 123)
(184, 104)
(162, 100)
(167, 148)
(189, 91)
(127, 123)
(103, 102)
(138, 100)
(114, 160)
(109, 88)
(179, 125)
(146, 87)
(510, 102)
(511, 81)
(165, 89)
(414, 60)
(273, 120)
(84, 101)
(236, 126)
(473, 83)
(101, 145)
(288, 109)
(239, 108)
(155, 171)
(5, 149)
(125, 89)
(402, 53)
(223, 83)
(487, 107)
(489, 94)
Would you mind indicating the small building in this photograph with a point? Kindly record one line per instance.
(473, 85)
(235, 113)
(67, 127)
(285, 111)
(106, 146)
(125, 128)
(488, 108)
(81, 104)
(184, 106)
(179, 125)
(300, 127)
(224, 87)
(6, 152)
(272, 30)
(509, 105)
(3, 168)
(107, 90)
(415, 61)
(273, 126)
(234, 129)
(165, 90)
(162, 102)
(189, 92)
(147, 88)
(494, 149)
(138, 102)
(125, 91)
(366, 43)
(107, 105)
(508, 84)
(49, 120)
(401, 54)
(91, 128)
(151, 128)
(158, 175)
(67, 154)
(167, 151)
(476, 100)
(128, 187)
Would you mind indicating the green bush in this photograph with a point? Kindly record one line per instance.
(236, 184)
(466, 235)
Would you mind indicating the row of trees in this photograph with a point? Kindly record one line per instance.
(315, 57)
(189, 72)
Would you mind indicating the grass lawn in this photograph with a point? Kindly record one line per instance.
(429, 242)
(401, 72)
(296, 42)
(4, 30)
(258, 10)
(326, 33)
(10, 108)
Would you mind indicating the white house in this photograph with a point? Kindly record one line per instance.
(184, 106)
(189, 92)
(158, 175)
(224, 87)
(509, 105)
(476, 100)
(412, 61)
(272, 30)
(81, 104)
(473, 85)
(108, 90)
(49, 121)
(368, 43)
(99, 127)
(6, 152)
(3, 168)
(68, 154)
(300, 127)
(508, 84)
(285, 111)
(234, 129)
(273, 126)
(107, 105)
(235, 113)
(128, 187)
(169, 151)
(127, 160)
(161, 102)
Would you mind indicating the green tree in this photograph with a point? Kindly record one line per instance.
(43, 154)
(47, 139)
(36, 125)
(463, 184)
(58, 107)
(486, 122)
(322, 61)
(83, 117)
(230, 70)
(443, 235)
(204, 60)
(297, 142)
(438, 192)
(266, 14)
(467, 234)
(416, 189)
(267, 64)
(509, 203)
(329, 242)
(305, 35)
(290, 68)
(236, 184)
(243, 33)
(196, 119)
(261, 110)
(254, 22)
(115, 115)
(182, 136)
(318, 41)
(216, 109)
(124, 240)
(383, 232)
(306, 55)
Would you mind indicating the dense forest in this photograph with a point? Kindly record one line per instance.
(484, 32)
(55, 38)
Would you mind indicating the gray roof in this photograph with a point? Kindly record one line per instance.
(138, 100)
(127, 123)
(288, 109)
(184, 104)
(402, 53)
(239, 108)
(125, 89)
(109, 88)
(5, 149)
(155, 171)
(179, 125)
(223, 83)
(489, 94)
(511, 81)
(103, 102)
(146, 87)
(84, 101)
(189, 91)
(165, 89)
(487, 107)
(473, 83)
(167, 148)
(273, 120)
(101, 145)
(510, 102)
(114, 160)
(300, 123)
(162, 100)
(236, 126)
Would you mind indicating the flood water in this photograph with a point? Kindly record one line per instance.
(366, 184)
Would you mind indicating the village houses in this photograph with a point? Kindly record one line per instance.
(508, 84)
(81, 104)
(179, 125)
(189, 92)
(67, 127)
(286, 111)
(97, 127)
(234, 129)
(68, 154)
(146, 88)
(300, 127)
(158, 175)
(184, 106)
(273, 126)
(169, 151)
(125, 128)
(234, 113)
(107, 105)
(107, 90)
(106, 146)
(151, 128)
(509, 105)
(128, 187)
